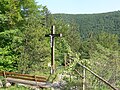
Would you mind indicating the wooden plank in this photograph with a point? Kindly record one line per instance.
(30, 79)
(25, 75)
(1, 74)
(34, 80)
(33, 83)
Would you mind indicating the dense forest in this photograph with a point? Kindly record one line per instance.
(89, 23)
(91, 39)
(99, 45)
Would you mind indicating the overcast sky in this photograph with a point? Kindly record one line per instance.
(81, 6)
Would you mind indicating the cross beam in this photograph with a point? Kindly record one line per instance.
(52, 44)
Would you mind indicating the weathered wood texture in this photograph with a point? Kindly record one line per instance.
(52, 44)
(24, 78)
(100, 78)
(28, 82)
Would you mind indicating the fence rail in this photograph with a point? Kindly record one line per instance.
(24, 78)
(100, 78)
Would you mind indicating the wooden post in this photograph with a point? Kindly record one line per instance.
(84, 75)
(36, 80)
(52, 50)
(52, 44)
(65, 59)
(5, 80)
(100, 78)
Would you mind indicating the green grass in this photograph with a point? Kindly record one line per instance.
(15, 88)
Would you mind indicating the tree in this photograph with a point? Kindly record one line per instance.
(34, 48)
(22, 33)
(9, 18)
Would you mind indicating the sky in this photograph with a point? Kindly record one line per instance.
(80, 6)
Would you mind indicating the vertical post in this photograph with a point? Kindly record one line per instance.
(84, 76)
(52, 44)
(52, 50)
(5, 80)
(65, 59)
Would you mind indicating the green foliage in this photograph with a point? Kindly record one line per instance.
(98, 46)
(9, 19)
(70, 34)
(90, 39)
(9, 14)
(22, 34)
(93, 23)
(15, 88)
(108, 40)
(8, 54)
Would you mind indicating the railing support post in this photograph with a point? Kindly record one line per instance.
(84, 75)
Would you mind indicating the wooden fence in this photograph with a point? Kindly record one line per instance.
(34, 80)
(97, 76)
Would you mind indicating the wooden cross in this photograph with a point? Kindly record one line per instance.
(52, 44)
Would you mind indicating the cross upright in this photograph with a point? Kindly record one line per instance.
(52, 44)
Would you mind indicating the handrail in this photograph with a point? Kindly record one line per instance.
(100, 78)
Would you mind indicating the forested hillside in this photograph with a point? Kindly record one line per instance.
(99, 41)
(90, 39)
(94, 23)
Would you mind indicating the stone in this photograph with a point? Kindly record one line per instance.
(7, 84)
(1, 84)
